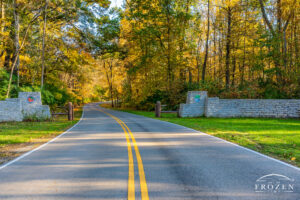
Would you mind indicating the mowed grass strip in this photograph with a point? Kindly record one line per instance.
(19, 134)
(279, 138)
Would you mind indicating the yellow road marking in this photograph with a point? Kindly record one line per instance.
(143, 183)
(131, 186)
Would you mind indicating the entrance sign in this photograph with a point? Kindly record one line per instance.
(30, 99)
(197, 99)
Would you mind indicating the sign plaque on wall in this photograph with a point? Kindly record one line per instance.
(197, 99)
(30, 99)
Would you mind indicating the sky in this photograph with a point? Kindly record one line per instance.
(116, 3)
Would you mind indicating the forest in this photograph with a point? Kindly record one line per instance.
(148, 50)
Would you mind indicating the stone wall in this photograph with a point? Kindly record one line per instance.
(271, 108)
(215, 107)
(11, 110)
(195, 105)
(27, 106)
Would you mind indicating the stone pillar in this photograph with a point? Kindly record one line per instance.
(195, 104)
(32, 106)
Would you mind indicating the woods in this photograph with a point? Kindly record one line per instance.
(43, 48)
(232, 48)
(149, 50)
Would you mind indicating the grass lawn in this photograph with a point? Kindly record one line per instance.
(14, 135)
(279, 138)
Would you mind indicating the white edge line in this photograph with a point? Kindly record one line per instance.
(43, 145)
(244, 148)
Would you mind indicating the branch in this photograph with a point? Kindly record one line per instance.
(18, 51)
(265, 17)
(289, 18)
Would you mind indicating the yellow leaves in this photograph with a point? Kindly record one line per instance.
(25, 58)
(59, 9)
(232, 3)
(293, 159)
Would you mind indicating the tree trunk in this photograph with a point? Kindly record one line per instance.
(16, 39)
(7, 58)
(206, 43)
(220, 50)
(296, 43)
(2, 15)
(198, 60)
(169, 68)
(233, 71)
(183, 27)
(18, 53)
(228, 48)
(215, 54)
(44, 43)
(190, 77)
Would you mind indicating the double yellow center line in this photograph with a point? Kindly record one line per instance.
(131, 185)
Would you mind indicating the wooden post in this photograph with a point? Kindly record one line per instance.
(70, 111)
(158, 109)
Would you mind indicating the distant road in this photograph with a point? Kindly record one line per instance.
(117, 155)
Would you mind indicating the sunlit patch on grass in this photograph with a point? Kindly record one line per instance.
(15, 133)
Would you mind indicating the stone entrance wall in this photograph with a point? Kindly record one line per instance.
(195, 105)
(215, 107)
(28, 105)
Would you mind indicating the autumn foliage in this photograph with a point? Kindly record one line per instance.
(150, 50)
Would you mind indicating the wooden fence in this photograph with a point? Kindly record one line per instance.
(66, 110)
(158, 109)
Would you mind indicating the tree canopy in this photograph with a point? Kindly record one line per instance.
(85, 50)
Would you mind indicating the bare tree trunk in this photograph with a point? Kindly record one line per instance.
(228, 48)
(198, 70)
(233, 70)
(190, 77)
(44, 43)
(169, 53)
(182, 41)
(242, 68)
(111, 84)
(215, 54)
(198, 60)
(7, 59)
(18, 53)
(206, 44)
(265, 17)
(297, 44)
(2, 15)
(109, 75)
(16, 39)
(285, 50)
(220, 59)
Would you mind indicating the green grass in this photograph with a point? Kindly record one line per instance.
(279, 138)
(32, 132)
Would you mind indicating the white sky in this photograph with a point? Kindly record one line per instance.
(115, 3)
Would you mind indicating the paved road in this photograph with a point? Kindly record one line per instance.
(93, 161)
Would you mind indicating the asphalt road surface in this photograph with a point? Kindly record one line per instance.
(116, 155)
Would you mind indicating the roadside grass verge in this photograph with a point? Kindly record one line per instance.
(16, 135)
(278, 138)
